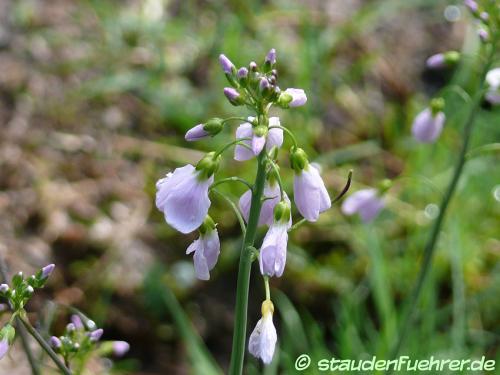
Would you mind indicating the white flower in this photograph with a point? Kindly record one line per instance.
(183, 197)
(263, 339)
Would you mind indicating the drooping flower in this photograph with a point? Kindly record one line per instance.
(272, 198)
(4, 347)
(292, 98)
(427, 126)
(493, 81)
(206, 249)
(310, 194)
(366, 202)
(120, 348)
(272, 256)
(183, 195)
(262, 342)
(274, 137)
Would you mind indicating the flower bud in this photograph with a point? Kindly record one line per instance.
(120, 348)
(270, 58)
(226, 64)
(208, 165)
(77, 321)
(70, 327)
(242, 76)
(483, 35)
(471, 5)
(211, 128)
(442, 60)
(55, 342)
(264, 86)
(298, 159)
(233, 96)
(4, 288)
(47, 270)
(282, 212)
(485, 17)
(253, 66)
(96, 335)
(437, 105)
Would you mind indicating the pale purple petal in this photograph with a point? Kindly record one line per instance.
(242, 73)
(310, 194)
(242, 153)
(231, 94)
(472, 5)
(365, 202)
(275, 135)
(258, 144)
(120, 348)
(96, 335)
(272, 257)
(262, 342)
(271, 56)
(206, 252)
(4, 347)
(55, 342)
(195, 133)
(493, 97)
(427, 128)
(272, 195)
(244, 203)
(183, 198)
(77, 321)
(298, 97)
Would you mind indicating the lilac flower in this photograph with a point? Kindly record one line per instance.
(263, 339)
(96, 335)
(206, 252)
(55, 342)
(183, 197)
(272, 198)
(120, 348)
(310, 194)
(77, 321)
(226, 64)
(4, 347)
(436, 61)
(427, 127)
(272, 257)
(195, 133)
(299, 97)
(47, 270)
(367, 203)
(271, 56)
(245, 130)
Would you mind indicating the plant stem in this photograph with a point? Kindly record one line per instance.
(33, 332)
(410, 308)
(24, 341)
(240, 320)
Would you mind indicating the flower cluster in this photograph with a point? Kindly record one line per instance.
(81, 337)
(183, 195)
(17, 294)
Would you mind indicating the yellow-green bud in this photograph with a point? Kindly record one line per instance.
(298, 159)
(282, 212)
(208, 165)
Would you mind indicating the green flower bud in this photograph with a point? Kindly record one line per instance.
(298, 159)
(214, 126)
(284, 99)
(451, 57)
(8, 332)
(208, 165)
(207, 225)
(437, 105)
(282, 212)
(260, 131)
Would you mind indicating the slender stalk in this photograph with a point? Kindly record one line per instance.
(409, 311)
(240, 322)
(24, 341)
(33, 332)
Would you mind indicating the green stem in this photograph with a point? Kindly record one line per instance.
(266, 285)
(409, 311)
(33, 332)
(24, 341)
(240, 320)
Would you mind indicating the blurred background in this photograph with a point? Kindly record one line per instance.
(95, 99)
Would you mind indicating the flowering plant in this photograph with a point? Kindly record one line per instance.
(183, 195)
